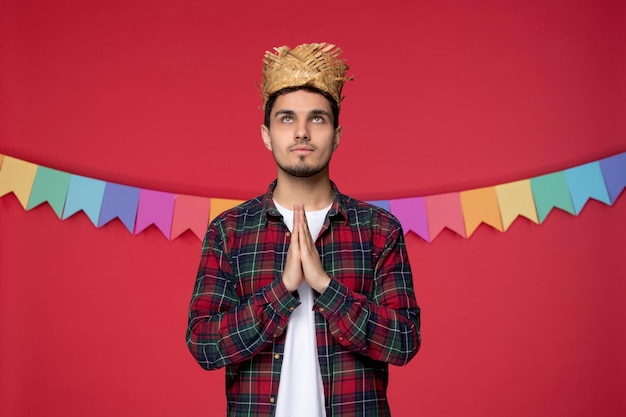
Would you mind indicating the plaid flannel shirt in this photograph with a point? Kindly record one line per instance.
(367, 318)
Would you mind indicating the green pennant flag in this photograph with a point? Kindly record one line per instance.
(49, 185)
(551, 191)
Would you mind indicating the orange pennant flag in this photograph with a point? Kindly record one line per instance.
(17, 176)
(191, 213)
(516, 199)
(480, 206)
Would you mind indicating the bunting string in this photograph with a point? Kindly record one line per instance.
(462, 212)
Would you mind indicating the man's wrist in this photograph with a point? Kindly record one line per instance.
(322, 284)
(289, 285)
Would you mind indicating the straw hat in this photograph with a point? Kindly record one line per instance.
(312, 64)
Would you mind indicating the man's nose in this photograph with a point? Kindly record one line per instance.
(302, 132)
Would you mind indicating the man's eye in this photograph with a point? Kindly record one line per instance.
(318, 119)
(287, 119)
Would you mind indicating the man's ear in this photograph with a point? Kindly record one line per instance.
(337, 137)
(265, 134)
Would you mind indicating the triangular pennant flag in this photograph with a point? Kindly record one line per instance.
(585, 182)
(550, 191)
(444, 210)
(383, 204)
(516, 199)
(155, 207)
(614, 173)
(1, 158)
(480, 206)
(17, 176)
(411, 212)
(50, 185)
(219, 205)
(84, 194)
(119, 201)
(190, 212)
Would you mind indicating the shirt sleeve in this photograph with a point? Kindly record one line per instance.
(387, 327)
(223, 330)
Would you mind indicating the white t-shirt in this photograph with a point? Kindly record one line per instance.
(301, 392)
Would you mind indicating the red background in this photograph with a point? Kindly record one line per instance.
(447, 96)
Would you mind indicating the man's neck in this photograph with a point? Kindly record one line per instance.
(315, 193)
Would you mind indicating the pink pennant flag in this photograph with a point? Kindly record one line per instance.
(155, 207)
(480, 206)
(411, 212)
(444, 210)
(190, 212)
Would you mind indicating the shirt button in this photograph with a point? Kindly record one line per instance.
(288, 234)
(321, 309)
(340, 337)
(276, 356)
(291, 308)
(272, 400)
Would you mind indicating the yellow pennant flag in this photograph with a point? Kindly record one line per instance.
(480, 206)
(218, 205)
(17, 176)
(516, 199)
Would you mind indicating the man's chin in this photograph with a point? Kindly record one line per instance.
(302, 171)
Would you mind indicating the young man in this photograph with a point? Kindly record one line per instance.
(304, 294)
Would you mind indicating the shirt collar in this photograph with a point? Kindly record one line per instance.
(337, 209)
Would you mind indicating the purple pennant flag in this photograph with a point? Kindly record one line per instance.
(614, 173)
(119, 201)
(412, 215)
(155, 207)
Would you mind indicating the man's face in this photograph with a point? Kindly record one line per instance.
(301, 135)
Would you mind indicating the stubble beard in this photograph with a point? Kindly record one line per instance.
(302, 169)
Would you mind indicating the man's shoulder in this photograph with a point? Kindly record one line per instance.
(365, 212)
(249, 210)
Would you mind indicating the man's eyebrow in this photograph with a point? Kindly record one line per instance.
(284, 111)
(319, 112)
(314, 112)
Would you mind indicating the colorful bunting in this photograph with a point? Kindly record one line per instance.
(461, 212)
